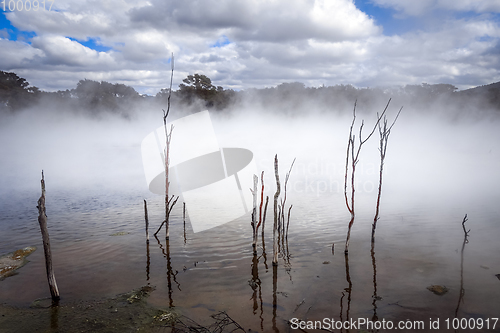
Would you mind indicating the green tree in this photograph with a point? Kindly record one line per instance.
(199, 86)
(104, 96)
(15, 92)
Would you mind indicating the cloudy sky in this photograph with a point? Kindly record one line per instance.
(252, 43)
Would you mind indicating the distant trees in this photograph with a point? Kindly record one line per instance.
(98, 96)
(15, 92)
(92, 96)
(197, 91)
(199, 87)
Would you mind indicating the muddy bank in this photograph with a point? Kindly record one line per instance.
(124, 313)
(127, 312)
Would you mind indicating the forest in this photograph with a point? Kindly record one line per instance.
(198, 92)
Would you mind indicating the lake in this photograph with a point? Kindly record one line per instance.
(436, 172)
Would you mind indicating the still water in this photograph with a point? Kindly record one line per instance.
(96, 187)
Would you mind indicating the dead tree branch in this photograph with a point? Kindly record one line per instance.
(354, 152)
(254, 213)
(42, 220)
(276, 216)
(168, 137)
(384, 133)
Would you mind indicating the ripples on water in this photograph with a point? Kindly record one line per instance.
(213, 269)
(418, 244)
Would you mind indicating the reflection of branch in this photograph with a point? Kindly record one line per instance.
(54, 317)
(341, 308)
(255, 283)
(170, 274)
(375, 296)
(148, 262)
(264, 255)
(349, 289)
(275, 300)
(462, 290)
(223, 323)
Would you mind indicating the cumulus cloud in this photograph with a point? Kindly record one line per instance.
(253, 43)
(14, 54)
(258, 20)
(62, 51)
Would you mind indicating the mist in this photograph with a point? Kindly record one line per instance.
(432, 158)
(438, 168)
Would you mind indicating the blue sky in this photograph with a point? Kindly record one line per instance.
(384, 16)
(255, 44)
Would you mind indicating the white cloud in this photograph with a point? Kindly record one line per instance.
(61, 51)
(14, 54)
(259, 20)
(269, 42)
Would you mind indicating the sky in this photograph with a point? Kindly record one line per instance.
(243, 44)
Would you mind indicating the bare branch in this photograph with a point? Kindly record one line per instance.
(276, 216)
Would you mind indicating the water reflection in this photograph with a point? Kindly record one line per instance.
(256, 285)
(348, 289)
(264, 255)
(148, 262)
(170, 273)
(146, 219)
(275, 300)
(184, 220)
(54, 316)
(375, 297)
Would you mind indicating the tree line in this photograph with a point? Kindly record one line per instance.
(198, 92)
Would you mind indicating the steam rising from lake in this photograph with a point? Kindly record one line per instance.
(437, 169)
(430, 160)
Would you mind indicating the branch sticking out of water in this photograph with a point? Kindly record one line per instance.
(170, 205)
(42, 220)
(353, 158)
(384, 133)
(254, 213)
(284, 201)
(462, 290)
(276, 217)
(146, 219)
(261, 202)
(264, 217)
(168, 137)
